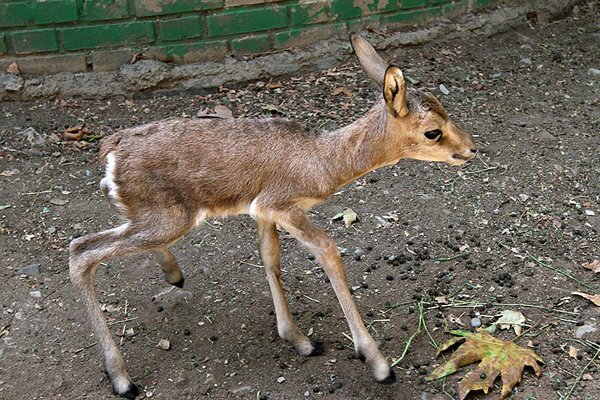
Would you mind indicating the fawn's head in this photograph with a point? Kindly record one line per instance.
(416, 121)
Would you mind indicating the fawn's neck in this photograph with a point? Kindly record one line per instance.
(360, 147)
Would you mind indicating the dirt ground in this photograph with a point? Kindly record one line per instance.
(508, 231)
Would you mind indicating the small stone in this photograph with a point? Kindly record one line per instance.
(594, 71)
(164, 344)
(589, 213)
(526, 61)
(475, 322)
(36, 293)
(32, 269)
(444, 90)
(280, 380)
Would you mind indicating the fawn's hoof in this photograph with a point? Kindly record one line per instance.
(179, 283)
(131, 391)
(388, 380)
(318, 349)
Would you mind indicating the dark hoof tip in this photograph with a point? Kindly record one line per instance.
(179, 283)
(361, 357)
(391, 378)
(318, 349)
(132, 392)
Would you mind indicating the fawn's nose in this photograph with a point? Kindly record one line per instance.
(465, 155)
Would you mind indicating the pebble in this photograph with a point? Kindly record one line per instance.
(280, 380)
(444, 90)
(475, 322)
(32, 269)
(594, 71)
(164, 344)
(36, 293)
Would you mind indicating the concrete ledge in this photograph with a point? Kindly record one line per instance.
(146, 77)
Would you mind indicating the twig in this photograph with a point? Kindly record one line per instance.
(311, 299)
(526, 331)
(581, 374)
(53, 291)
(252, 265)
(560, 271)
(474, 305)
(9, 323)
(36, 193)
(85, 347)
(122, 321)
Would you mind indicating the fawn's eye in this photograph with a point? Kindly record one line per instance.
(434, 134)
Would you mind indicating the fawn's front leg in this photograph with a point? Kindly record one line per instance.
(286, 326)
(325, 250)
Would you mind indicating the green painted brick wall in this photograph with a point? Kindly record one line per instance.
(91, 37)
(98, 10)
(2, 44)
(193, 30)
(35, 41)
(179, 28)
(234, 21)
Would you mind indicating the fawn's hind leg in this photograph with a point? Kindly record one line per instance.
(85, 255)
(170, 267)
(286, 326)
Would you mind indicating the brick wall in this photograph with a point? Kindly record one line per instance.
(81, 35)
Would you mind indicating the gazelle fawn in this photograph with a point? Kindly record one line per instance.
(166, 177)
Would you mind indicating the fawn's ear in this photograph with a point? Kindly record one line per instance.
(394, 91)
(371, 62)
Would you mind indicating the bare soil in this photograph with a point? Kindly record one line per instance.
(470, 234)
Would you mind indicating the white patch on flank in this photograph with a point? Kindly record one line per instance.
(200, 216)
(252, 209)
(108, 182)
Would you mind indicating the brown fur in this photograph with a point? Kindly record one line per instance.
(165, 177)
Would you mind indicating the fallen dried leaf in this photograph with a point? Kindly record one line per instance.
(223, 112)
(497, 358)
(593, 266)
(342, 90)
(573, 352)
(348, 216)
(455, 320)
(272, 85)
(510, 318)
(587, 377)
(594, 298)
(13, 68)
(441, 300)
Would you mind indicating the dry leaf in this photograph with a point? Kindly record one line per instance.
(13, 68)
(342, 90)
(497, 358)
(348, 216)
(441, 300)
(594, 266)
(587, 377)
(573, 352)
(455, 320)
(510, 318)
(75, 133)
(223, 112)
(594, 298)
(272, 85)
